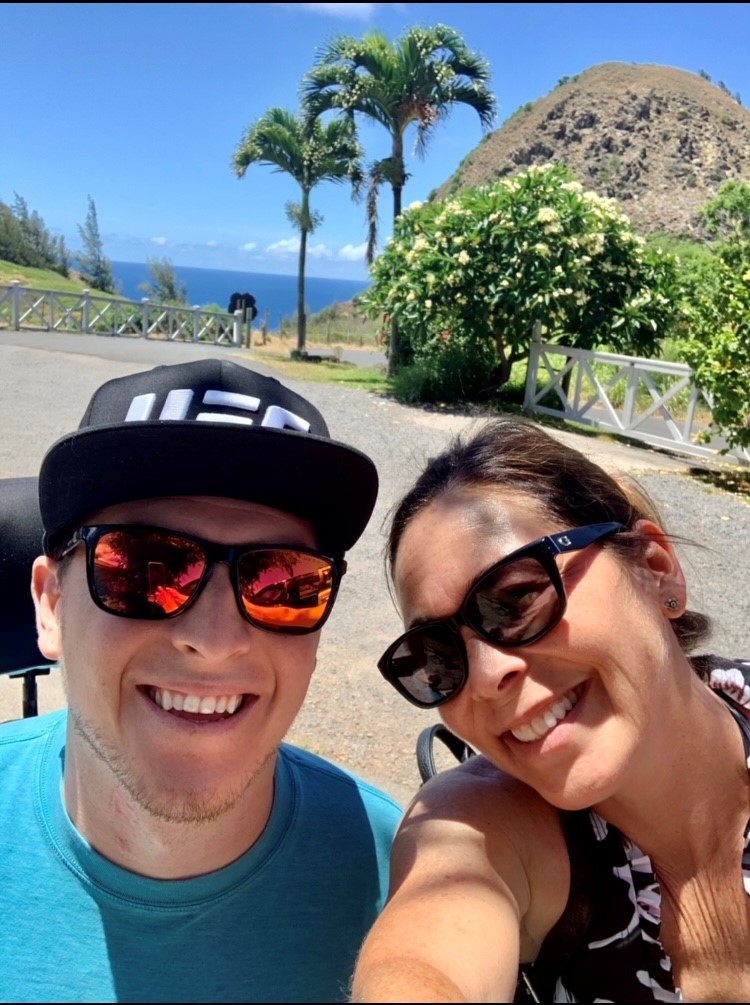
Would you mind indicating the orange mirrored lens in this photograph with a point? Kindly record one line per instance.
(146, 574)
(284, 588)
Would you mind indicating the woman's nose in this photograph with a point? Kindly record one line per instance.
(492, 671)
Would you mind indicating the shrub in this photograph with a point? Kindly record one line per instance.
(480, 269)
(719, 350)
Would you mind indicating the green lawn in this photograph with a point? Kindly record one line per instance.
(41, 279)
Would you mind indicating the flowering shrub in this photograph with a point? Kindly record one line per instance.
(719, 349)
(474, 273)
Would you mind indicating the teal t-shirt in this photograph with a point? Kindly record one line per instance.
(281, 924)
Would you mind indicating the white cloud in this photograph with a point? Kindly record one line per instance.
(350, 11)
(319, 251)
(212, 244)
(159, 240)
(289, 246)
(248, 246)
(352, 253)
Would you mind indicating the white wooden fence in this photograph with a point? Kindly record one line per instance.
(649, 400)
(24, 307)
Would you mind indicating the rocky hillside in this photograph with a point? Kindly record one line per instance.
(659, 140)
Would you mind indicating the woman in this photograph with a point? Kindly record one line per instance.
(597, 850)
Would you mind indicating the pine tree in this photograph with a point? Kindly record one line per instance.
(39, 246)
(94, 267)
(62, 256)
(164, 286)
(13, 247)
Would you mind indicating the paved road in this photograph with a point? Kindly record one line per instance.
(351, 715)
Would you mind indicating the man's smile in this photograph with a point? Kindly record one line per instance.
(179, 701)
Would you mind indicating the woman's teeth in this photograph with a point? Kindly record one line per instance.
(547, 721)
(181, 702)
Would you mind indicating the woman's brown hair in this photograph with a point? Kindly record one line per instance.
(518, 456)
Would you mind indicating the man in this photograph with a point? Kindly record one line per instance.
(159, 841)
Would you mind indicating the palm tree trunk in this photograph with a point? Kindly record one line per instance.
(397, 193)
(301, 319)
(397, 184)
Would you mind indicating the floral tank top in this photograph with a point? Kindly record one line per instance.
(606, 947)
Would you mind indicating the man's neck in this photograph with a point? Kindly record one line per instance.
(117, 826)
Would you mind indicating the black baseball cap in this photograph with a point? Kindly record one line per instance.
(210, 427)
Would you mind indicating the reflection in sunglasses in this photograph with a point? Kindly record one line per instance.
(168, 598)
(152, 573)
(298, 617)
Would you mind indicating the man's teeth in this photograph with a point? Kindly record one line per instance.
(547, 721)
(182, 702)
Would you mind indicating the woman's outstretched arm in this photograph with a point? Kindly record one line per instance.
(461, 911)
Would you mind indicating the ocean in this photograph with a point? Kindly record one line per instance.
(275, 294)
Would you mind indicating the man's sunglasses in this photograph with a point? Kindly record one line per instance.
(513, 603)
(151, 573)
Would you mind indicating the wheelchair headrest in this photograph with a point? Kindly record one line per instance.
(20, 543)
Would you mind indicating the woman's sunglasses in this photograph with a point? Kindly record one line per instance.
(151, 573)
(514, 603)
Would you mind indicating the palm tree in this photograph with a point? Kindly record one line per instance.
(416, 79)
(311, 152)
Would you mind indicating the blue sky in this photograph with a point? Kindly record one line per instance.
(141, 106)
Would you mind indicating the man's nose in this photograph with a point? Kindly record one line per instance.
(213, 625)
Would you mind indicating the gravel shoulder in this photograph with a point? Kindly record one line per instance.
(351, 716)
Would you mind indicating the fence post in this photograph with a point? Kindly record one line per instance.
(85, 305)
(196, 321)
(531, 367)
(687, 428)
(145, 301)
(631, 391)
(237, 328)
(15, 304)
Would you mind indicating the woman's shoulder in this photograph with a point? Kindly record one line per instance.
(478, 814)
(479, 788)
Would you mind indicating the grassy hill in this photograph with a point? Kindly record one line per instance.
(42, 279)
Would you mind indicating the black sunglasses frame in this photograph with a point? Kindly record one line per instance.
(543, 550)
(213, 553)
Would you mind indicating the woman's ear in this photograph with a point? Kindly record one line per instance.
(45, 591)
(661, 562)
